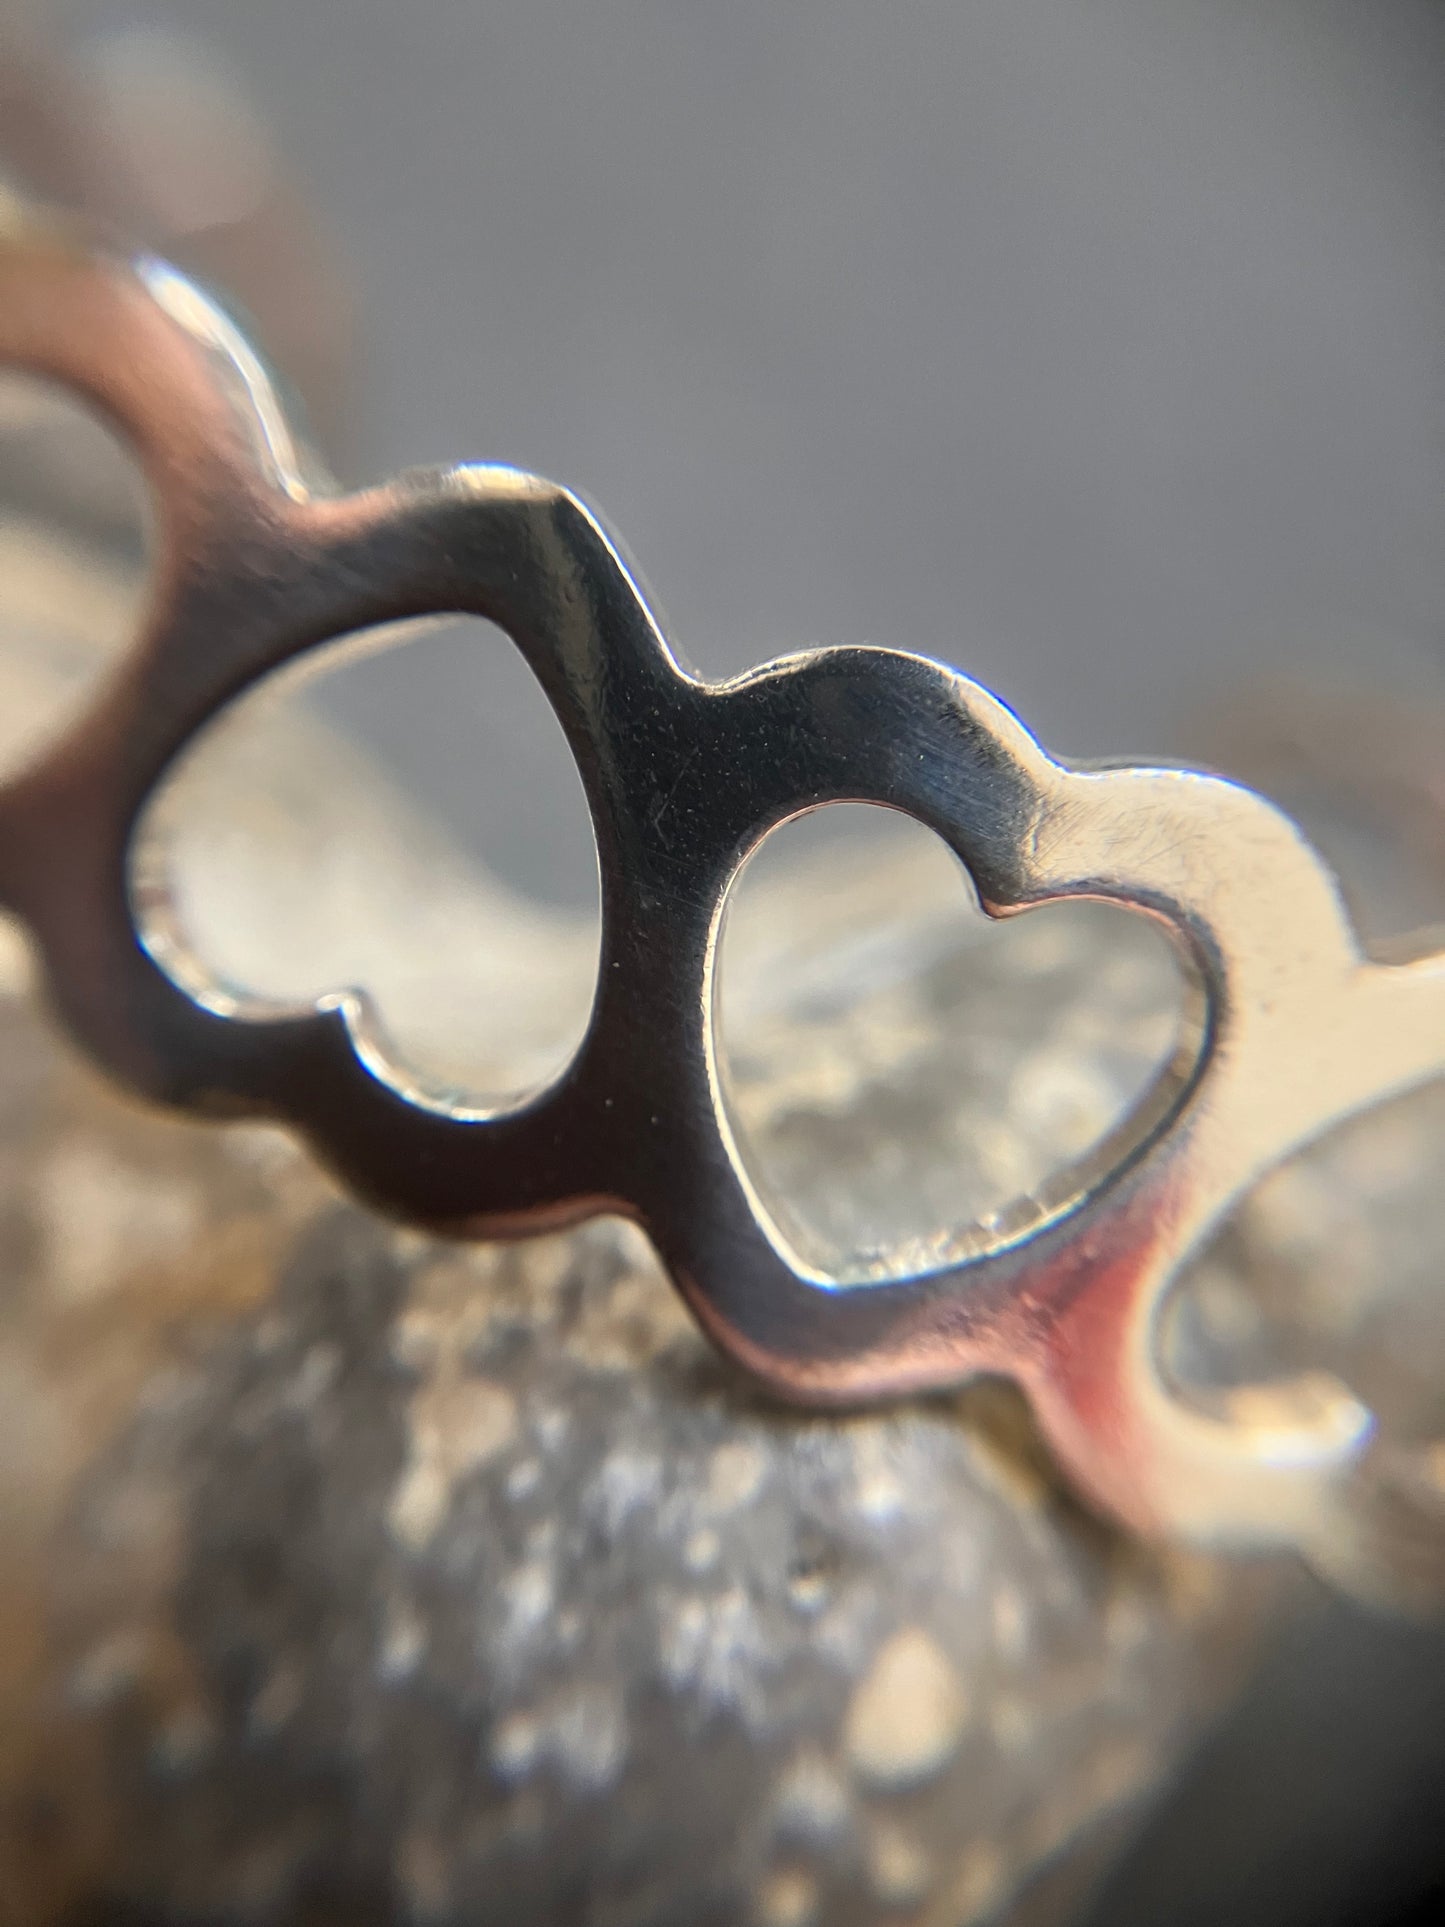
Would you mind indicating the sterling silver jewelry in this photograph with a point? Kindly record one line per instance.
(260, 560)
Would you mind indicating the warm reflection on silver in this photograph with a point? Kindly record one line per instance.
(259, 562)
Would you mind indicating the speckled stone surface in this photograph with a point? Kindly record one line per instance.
(353, 1576)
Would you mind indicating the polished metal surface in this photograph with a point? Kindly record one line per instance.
(259, 561)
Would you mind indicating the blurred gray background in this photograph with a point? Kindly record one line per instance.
(1095, 345)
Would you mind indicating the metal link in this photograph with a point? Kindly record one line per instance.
(259, 561)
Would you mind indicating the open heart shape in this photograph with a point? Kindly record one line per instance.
(911, 1082)
(286, 864)
(683, 778)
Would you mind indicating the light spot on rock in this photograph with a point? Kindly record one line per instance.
(419, 1503)
(1011, 1622)
(880, 1489)
(880, 1497)
(111, 1668)
(523, 1479)
(553, 1427)
(477, 1418)
(458, 1421)
(1065, 1101)
(458, 1424)
(417, 1338)
(588, 1738)
(734, 1474)
(702, 1551)
(897, 1865)
(976, 1887)
(403, 1642)
(17, 961)
(544, 1265)
(716, 1646)
(103, 1219)
(788, 1898)
(277, 1700)
(318, 1372)
(812, 1797)
(582, 1734)
(449, 1310)
(625, 1482)
(813, 1571)
(409, 1244)
(516, 1741)
(422, 1876)
(908, 1713)
(844, 1629)
(527, 1594)
(271, 1331)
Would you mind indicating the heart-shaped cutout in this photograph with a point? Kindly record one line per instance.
(278, 864)
(908, 1080)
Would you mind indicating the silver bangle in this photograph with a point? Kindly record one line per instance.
(260, 560)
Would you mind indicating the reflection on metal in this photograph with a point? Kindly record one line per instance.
(259, 562)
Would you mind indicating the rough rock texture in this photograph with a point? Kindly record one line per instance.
(353, 1576)
(351, 1570)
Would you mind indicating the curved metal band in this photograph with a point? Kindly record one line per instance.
(259, 564)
